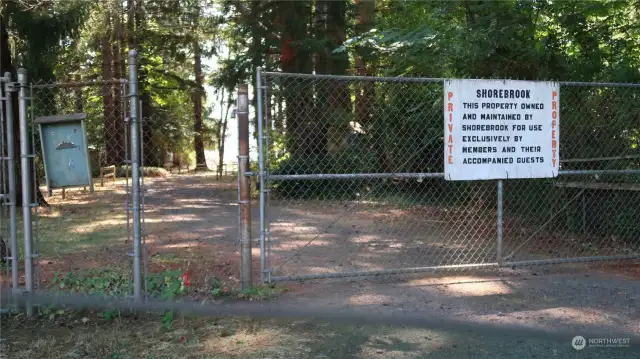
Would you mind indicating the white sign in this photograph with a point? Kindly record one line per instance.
(501, 129)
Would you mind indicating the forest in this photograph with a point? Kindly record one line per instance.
(312, 121)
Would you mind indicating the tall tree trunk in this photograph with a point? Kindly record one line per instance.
(366, 93)
(222, 134)
(323, 118)
(152, 155)
(256, 61)
(7, 66)
(131, 19)
(320, 31)
(294, 16)
(338, 63)
(197, 95)
(120, 34)
(219, 138)
(117, 136)
(110, 126)
(338, 96)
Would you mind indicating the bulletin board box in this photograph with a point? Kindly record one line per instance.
(64, 151)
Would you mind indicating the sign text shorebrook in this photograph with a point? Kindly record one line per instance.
(500, 129)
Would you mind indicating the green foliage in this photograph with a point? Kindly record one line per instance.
(167, 319)
(505, 39)
(114, 282)
(111, 282)
(260, 292)
(125, 171)
(110, 314)
(42, 30)
(257, 292)
(168, 285)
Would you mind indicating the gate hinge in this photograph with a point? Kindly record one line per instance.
(11, 87)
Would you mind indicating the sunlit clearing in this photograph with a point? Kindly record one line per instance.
(553, 317)
(368, 265)
(182, 244)
(244, 343)
(176, 218)
(194, 200)
(99, 225)
(366, 239)
(370, 299)
(295, 244)
(476, 289)
(405, 343)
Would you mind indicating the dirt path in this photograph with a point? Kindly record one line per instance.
(200, 210)
(191, 222)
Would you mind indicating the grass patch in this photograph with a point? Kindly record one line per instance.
(142, 337)
(125, 171)
(113, 282)
(168, 285)
(166, 258)
(257, 292)
(72, 227)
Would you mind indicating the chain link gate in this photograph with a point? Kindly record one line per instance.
(98, 215)
(352, 182)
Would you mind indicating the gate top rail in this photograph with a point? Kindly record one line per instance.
(430, 79)
(80, 83)
(354, 78)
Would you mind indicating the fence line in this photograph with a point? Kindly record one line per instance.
(350, 183)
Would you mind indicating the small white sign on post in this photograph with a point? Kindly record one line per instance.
(501, 129)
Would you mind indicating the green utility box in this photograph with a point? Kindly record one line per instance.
(64, 151)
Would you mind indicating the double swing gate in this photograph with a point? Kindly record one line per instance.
(48, 216)
(351, 179)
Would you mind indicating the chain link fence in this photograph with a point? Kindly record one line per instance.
(352, 186)
(354, 183)
(120, 232)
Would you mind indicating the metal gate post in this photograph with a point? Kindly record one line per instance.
(26, 183)
(244, 188)
(11, 167)
(135, 175)
(262, 204)
(499, 248)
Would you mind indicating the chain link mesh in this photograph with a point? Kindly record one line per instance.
(403, 216)
(582, 216)
(80, 232)
(86, 237)
(189, 211)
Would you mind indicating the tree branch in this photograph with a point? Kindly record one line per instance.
(249, 18)
(470, 16)
(184, 83)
